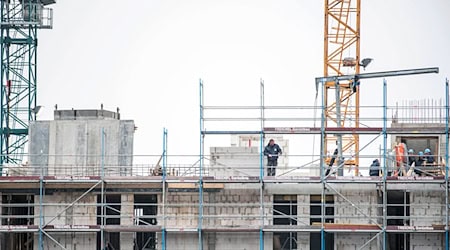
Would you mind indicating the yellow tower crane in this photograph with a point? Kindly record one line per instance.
(342, 56)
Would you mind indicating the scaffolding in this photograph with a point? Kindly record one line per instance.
(158, 205)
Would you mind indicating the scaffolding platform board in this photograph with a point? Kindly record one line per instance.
(353, 130)
(231, 229)
(132, 228)
(416, 229)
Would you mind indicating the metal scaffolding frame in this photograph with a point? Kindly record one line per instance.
(377, 229)
(325, 181)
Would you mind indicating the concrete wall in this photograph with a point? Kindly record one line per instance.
(217, 241)
(83, 213)
(427, 207)
(254, 141)
(244, 156)
(241, 241)
(365, 210)
(235, 208)
(181, 210)
(427, 241)
(74, 147)
(127, 214)
(182, 241)
(303, 219)
(227, 208)
(70, 241)
(344, 241)
(234, 161)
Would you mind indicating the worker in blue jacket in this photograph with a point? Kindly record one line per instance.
(272, 150)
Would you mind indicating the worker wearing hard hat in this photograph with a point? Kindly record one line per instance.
(411, 157)
(428, 157)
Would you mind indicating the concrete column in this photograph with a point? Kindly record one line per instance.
(303, 217)
(126, 219)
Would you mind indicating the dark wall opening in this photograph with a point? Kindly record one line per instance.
(397, 215)
(17, 210)
(315, 239)
(112, 217)
(145, 211)
(421, 143)
(285, 213)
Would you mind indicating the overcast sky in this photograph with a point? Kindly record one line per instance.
(146, 57)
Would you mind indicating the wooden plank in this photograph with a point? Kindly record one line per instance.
(213, 185)
(182, 185)
(348, 226)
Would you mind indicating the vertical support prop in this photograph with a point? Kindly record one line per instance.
(385, 170)
(200, 182)
(164, 174)
(340, 158)
(102, 192)
(322, 169)
(446, 163)
(261, 166)
(41, 207)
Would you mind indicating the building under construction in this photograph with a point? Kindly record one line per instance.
(80, 187)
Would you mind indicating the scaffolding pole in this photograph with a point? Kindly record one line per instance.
(102, 180)
(261, 166)
(385, 172)
(201, 162)
(446, 163)
(164, 168)
(322, 170)
(41, 207)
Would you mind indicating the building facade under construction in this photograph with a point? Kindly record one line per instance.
(82, 188)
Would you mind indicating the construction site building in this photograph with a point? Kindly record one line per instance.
(82, 188)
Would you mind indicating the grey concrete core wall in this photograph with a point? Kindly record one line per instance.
(85, 114)
(75, 147)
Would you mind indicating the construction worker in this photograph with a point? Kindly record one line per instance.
(272, 150)
(374, 169)
(411, 157)
(400, 158)
(419, 163)
(428, 157)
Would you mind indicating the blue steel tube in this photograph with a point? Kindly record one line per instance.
(200, 182)
(102, 214)
(261, 144)
(164, 162)
(261, 167)
(446, 162)
(384, 161)
(322, 169)
(41, 207)
(164, 156)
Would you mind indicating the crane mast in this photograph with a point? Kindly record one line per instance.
(341, 57)
(20, 22)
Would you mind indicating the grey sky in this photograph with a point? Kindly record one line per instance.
(146, 57)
